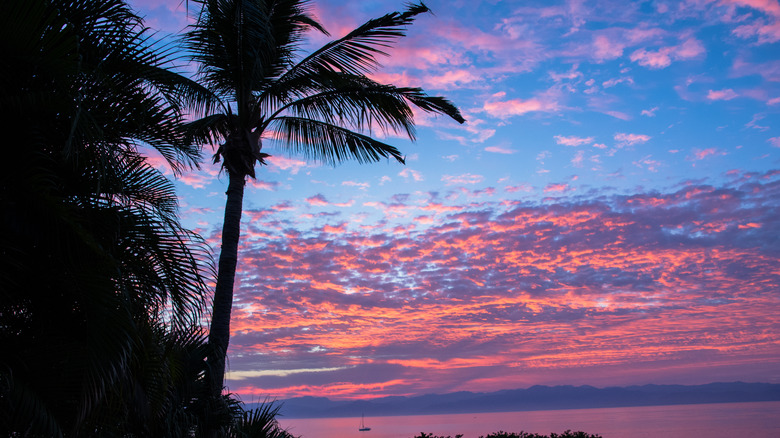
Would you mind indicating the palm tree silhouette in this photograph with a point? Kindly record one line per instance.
(321, 105)
(100, 286)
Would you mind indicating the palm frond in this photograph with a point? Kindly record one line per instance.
(260, 422)
(362, 104)
(232, 42)
(329, 143)
(357, 52)
(210, 129)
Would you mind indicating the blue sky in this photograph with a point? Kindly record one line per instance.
(607, 215)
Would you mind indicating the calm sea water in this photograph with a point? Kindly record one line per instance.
(755, 420)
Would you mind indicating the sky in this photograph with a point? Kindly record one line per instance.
(608, 215)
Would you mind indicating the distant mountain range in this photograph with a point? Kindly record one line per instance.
(533, 399)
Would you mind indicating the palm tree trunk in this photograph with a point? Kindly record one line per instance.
(219, 334)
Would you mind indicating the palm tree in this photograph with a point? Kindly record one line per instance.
(321, 105)
(99, 283)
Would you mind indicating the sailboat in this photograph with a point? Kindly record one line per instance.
(363, 427)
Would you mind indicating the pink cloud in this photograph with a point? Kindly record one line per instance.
(533, 276)
(339, 229)
(569, 75)
(409, 173)
(578, 158)
(663, 57)
(618, 115)
(607, 48)
(466, 178)
(417, 54)
(556, 188)
(518, 107)
(527, 53)
(689, 49)
(616, 81)
(157, 161)
(650, 112)
(765, 29)
(291, 164)
(725, 94)
(611, 43)
(199, 179)
(700, 154)
(657, 60)
(451, 79)
(572, 140)
(518, 188)
(770, 7)
(359, 185)
(403, 79)
(753, 123)
(624, 139)
(647, 163)
(764, 33)
(271, 186)
(774, 141)
(317, 200)
(500, 150)
(769, 70)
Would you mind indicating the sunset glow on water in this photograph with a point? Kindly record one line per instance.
(756, 420)
(609, 214)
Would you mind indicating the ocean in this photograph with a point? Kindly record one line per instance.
(721, 420)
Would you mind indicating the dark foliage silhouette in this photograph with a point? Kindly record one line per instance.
(101, 288)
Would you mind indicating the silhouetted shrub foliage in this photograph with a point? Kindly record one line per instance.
(521, 434)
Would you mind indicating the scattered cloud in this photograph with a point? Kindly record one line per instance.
(556, 188)
(578, 158)
(663, 57)
(650, 112)
(616, 81)
(725, 94)
(624, 139)
(270, 186)
(465, 179)
(648, 163)
(503, 109)
(701, 154)
(500, 150)
(359, 185)
(753, 123)
(607, 48)
(317, 200)
(413, 174)
(572, 140)
(292, 164)
(601, 264)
